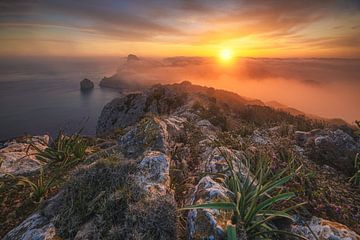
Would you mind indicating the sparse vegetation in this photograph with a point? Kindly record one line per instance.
(108, 190)
(358, 127)
(355, 179)
(39, 187)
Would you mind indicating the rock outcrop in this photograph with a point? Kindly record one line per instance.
(86, 84)
(332, 147)
(168, 144)
(17, 157)
(324, 230)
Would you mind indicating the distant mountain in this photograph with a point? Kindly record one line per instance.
(296, 112)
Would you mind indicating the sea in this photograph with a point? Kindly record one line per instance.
(42, 95)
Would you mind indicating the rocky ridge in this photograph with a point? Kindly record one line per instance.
(162, 141)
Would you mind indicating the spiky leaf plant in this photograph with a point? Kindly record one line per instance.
(253, 201)
(39, 187)
(64, 151)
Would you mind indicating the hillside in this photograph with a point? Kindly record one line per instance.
(171, 147)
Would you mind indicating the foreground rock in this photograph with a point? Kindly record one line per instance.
(86, 85)
(208, 223)
(325, 230)
(332, 147)
(18, 156)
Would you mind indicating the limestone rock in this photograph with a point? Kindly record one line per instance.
(208, 223)
(259, 138)
(18, 157)
(325, 230)
(207, 128)
(149, 134)
(34, 227)
(120, 113)
(153, 173)
(333, 147)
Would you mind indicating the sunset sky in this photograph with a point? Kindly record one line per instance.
(256, 28)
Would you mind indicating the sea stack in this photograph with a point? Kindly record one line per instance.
(132, 57)
(86, 85)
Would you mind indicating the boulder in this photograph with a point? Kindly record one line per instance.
(260, 138)
(86, 84)
(34, 227)
(120, 113)
(332, 147)
(153, 175)
(324, 230)
(18, 156)
(208, 223)
(149, 134)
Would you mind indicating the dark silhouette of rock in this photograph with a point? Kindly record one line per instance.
(132, 57)
(86, 84)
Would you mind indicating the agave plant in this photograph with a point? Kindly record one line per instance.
(64, 151)
(253, 201)
(39, 187)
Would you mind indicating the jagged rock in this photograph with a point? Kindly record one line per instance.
(89, 230)
(216, 160)
(333, 147)
(153, 173)
(86, 84)
(208, 223)
(148, 134)
(259, 138)
(207, 129)
(34, 227)
(18, 157)
(324, 230)
(120, 113)
(175, 125)
(126, 111)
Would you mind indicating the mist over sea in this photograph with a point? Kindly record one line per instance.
(39, 96)
(42, 95)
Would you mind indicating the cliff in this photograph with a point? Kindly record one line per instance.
(175, 146)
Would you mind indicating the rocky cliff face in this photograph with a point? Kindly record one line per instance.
(164, 154)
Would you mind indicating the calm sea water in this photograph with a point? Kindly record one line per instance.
(43, 95)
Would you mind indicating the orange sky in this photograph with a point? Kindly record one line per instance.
(257, 28)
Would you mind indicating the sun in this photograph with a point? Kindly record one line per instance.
(225, 55)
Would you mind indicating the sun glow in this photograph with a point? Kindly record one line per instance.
(226, 55)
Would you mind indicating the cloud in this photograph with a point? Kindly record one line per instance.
(253, 24)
